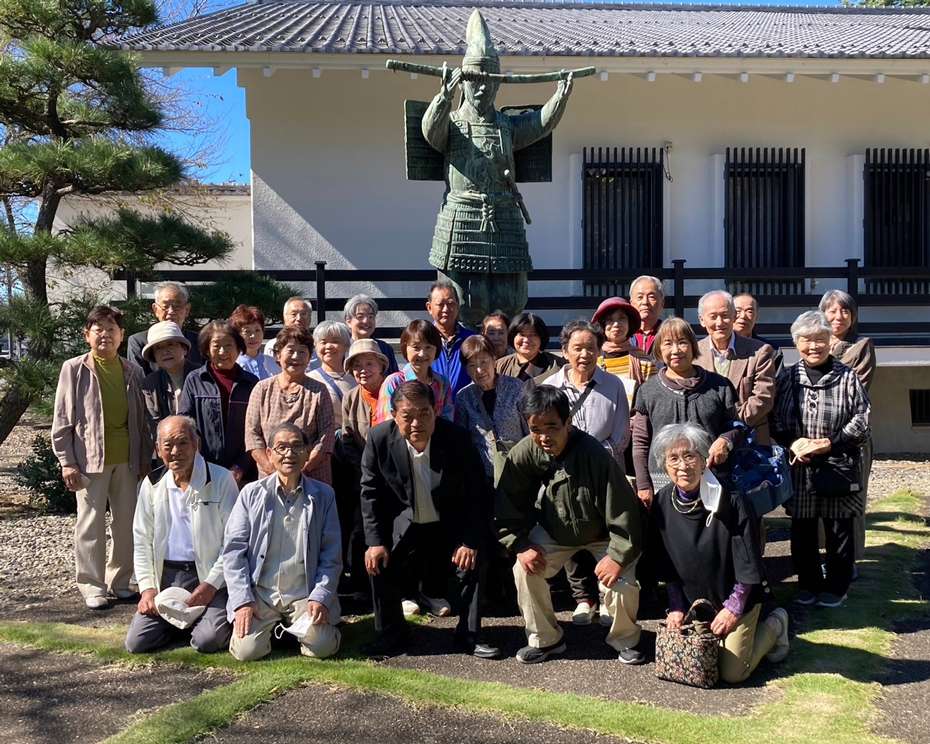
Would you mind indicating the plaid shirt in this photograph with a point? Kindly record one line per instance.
(836, 407)
(442, 389)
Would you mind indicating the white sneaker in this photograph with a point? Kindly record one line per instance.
(125, 594)
(438, 607)
(606, 619)
(778, 621)
(410, 607)
(96, 603)
(584, 613)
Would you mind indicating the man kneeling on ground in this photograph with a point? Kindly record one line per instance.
(283, 556)
(178, 528)
(586, 503)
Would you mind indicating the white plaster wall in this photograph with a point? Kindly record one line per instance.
(891, 409)
(231, 213)
(329, 180)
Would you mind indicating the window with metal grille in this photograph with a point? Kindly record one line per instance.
(764, 214)
(920, 407)
(897, 215)
(622, 212)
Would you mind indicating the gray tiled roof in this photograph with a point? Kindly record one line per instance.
(550, 28)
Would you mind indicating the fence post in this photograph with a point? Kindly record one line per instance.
(131, 288)
(679, 286)
(320, 291)
(852, 278)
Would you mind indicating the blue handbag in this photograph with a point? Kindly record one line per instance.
(761, 474)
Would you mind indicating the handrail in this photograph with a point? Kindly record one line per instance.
(677, 275)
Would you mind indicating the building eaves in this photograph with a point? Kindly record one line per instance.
(552, 29)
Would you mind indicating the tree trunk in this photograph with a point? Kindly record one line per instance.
(13, 404)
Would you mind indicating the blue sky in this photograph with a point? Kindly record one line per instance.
(224, 100)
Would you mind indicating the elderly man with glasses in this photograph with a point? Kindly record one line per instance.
(172, 302)
(283, 556)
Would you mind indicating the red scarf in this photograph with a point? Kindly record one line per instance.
(225, 379)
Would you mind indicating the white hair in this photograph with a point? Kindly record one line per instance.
(176, 286)
(289, 300)
(356, 302)
(810, 324)
(717, 293)
(327, 328)
(190, 426)
(672, 434)
(653, 279)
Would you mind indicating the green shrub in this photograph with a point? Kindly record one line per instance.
(40, 475)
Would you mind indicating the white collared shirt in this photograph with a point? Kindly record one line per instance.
(424, 480)
(724, 356)
(180, 535)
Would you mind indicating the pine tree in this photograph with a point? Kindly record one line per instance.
(76, 119)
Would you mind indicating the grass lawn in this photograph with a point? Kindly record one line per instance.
(827, 692)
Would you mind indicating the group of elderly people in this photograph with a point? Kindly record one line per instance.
(481, 451)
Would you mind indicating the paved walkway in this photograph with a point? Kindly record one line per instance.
(318, 715)
(48, 698)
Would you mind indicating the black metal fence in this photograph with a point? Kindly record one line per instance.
(622, 209)
(858, 281)
(764, 215)
(896, 218)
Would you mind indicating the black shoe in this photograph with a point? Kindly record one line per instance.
(390, 641)
(474, 644)
(533, 655)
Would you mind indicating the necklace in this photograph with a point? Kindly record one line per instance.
(690, 510)
(293, 397)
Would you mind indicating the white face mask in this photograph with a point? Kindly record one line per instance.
(711, 491)
(298, 629)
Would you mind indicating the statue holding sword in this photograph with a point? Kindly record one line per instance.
(480, 239)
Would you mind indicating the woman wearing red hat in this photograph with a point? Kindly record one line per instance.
(620, 320)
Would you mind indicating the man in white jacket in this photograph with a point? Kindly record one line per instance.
(178, 532)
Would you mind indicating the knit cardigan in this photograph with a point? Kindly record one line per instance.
(711, 405)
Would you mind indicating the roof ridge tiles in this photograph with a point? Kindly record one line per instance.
(611, 5)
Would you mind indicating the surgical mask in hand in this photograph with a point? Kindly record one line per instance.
(298, 629)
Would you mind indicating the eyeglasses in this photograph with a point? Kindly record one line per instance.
(98, 331)
(284, 449)
(362, 317)
(688, 458)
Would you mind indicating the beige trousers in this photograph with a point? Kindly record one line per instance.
(320, 642)
(535, 599)
(743, 649)
(116, 485)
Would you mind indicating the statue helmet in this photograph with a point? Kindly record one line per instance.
(480, 52)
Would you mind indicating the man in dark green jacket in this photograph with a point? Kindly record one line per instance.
(586, 503)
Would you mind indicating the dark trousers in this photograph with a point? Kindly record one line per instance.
(580, 572)
(209, 634)
(805, 554)
(424, 554)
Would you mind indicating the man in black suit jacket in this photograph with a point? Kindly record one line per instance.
(425, 505)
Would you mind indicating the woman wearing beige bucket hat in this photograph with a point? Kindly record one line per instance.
(369, 366)
(166, 349)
